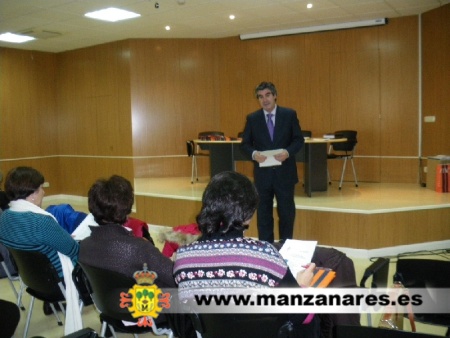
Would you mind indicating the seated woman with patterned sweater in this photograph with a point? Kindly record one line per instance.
(223, 258)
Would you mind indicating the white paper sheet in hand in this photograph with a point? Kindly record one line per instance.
(297, 253)
(270, 160)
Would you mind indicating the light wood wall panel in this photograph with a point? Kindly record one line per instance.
(174, 96)
(79, 173)
(94, 105)
(47, 166)
(349, 79)
(399, 114)
(436, 80)
(145, 98)
(28, 133)
(351, 230)
(94, 115)
(166, 211)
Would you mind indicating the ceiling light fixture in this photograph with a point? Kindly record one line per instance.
(232, 17)
(309, 6)
(15, 38)
(312, 29)
(112, 14)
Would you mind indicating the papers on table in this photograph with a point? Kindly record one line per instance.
(270, 160)
(297, 253)
(329, 136)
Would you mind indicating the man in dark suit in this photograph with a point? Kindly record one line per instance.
(277, 180)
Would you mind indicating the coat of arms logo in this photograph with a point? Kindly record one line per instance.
(145, 300)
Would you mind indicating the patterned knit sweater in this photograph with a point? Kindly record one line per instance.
(206, 266)
(35, 232)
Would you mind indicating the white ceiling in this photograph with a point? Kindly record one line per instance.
(193, 19)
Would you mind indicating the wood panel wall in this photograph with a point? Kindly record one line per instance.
(128, 107)
(174, 96)
(339, 229)
(364, 79)
(28, 129)
(94, 115)
(435, 81)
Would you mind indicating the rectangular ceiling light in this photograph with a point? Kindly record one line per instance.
(312, 29)
(112, 14)
(15, 38)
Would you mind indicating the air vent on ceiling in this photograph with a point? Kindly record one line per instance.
(40, 34)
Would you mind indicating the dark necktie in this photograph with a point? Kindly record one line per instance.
(270, 125)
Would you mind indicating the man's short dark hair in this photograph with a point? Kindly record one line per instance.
(266, 85)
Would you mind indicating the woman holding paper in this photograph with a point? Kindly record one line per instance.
(223, 258)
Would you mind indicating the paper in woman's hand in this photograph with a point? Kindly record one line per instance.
(297, 253)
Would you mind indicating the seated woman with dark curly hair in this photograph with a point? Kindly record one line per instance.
(223, 258)
(110, 245)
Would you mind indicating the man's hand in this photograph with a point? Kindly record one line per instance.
(260, 158)
(282, 156)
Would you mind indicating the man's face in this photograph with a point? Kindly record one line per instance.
(266, 99)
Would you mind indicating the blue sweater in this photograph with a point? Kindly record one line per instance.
(36, 232)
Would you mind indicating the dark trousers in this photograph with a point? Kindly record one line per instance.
(284, 195)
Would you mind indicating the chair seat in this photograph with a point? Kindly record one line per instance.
(51, 298)
(440, 319)
(9, 318)
(335, 156)
(242, 325)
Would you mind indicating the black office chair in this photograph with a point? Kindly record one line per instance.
(9, 275)
(378, 271)
(41, 279)
(242, 325)
(193, 153)
(343, 151)
(422, 274)
(105, 287)
(211, 136)
(80, 281)
(9, 318)
(346, 331)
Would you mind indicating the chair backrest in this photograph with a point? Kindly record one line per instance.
(348, 145)
(211, 135)
(346, 331)
(190, 148)
(105, 288)
(306, 133)
(82, 284)
(7, 265)
(243, 325)
(426, 273)
(9, 318)
(38, 274)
